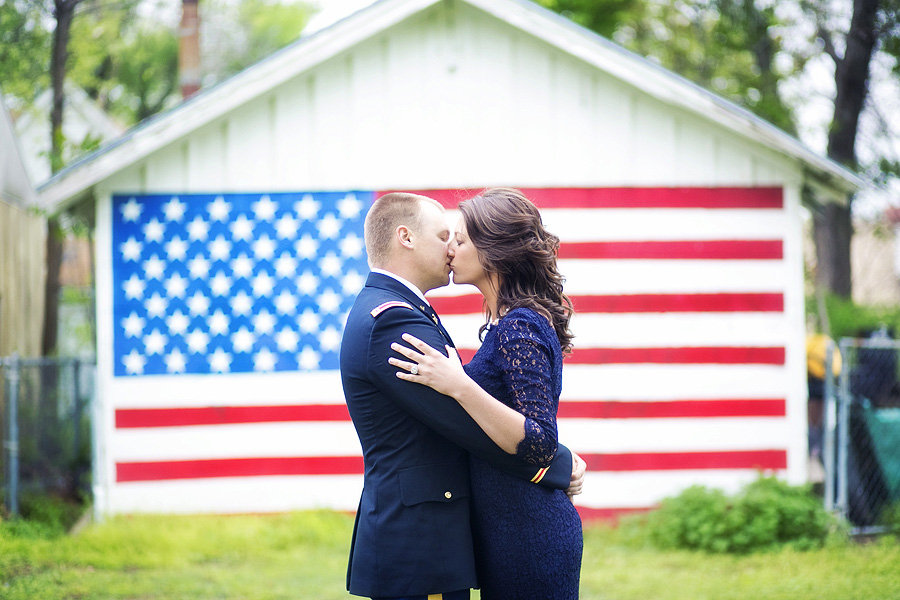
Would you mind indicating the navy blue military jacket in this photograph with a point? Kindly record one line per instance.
(412, 534)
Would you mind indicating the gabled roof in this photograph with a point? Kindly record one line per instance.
(160, 130)
(15, 186)
(82, 114)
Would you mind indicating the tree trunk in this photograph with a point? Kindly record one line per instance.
(833, 227)
(64, 11)
(833, 230)
(52, 288)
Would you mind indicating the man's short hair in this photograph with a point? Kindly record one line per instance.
(387, 214)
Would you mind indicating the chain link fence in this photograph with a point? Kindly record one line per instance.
(46, 428)
(861, 446)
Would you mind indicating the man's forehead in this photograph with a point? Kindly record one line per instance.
(434, 213)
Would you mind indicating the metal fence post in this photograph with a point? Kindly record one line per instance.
(843, 427)
(76, 386)
(830, 427)
(11, 445)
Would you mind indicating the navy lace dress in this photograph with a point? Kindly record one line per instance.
(528, 538)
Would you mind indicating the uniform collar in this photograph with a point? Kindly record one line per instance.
(405, 282)
(385, 280)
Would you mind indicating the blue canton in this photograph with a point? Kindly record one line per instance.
(207, 283)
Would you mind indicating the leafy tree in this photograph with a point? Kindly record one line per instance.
(63, 12)
(24, 48)
(602, 16)
(727, 46)
(148, 70)
(872, 29)
(129, 64)
(235, 36)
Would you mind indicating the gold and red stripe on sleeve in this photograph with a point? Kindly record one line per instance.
(539, 475)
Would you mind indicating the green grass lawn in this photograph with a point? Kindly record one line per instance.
(303, 556)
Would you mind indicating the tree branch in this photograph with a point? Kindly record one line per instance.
(822, 32)
(828, 42)
(85, 8)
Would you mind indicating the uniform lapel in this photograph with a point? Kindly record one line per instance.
(434, 317)
(384, 282)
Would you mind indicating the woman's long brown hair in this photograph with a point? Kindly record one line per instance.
(507, 231)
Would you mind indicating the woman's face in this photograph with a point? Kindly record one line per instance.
(465, 264)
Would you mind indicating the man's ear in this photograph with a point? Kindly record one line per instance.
(404, 236)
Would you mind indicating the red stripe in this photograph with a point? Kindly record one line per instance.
(721, 356)
(669, 356)
(131, 418)
(675, 461)
(670, 409)
(675, 250)
(682, 197)
(238, 467)
(220, 415)
(353, 465)
(456, 305)
(636, 303)
(645, 303)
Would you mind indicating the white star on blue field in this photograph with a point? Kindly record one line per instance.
(219, 283)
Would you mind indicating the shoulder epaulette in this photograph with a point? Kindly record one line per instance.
(390, 304)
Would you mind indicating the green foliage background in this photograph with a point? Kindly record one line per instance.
(848, 319)
(128, 62)
(765, 514)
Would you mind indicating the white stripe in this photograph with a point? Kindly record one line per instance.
(661, 224)
(679, 329)
(601, 276)
(238, 494)
(651, 329)
(668, 382)
(244, 389)
(672, 276)
(615, 436)
(250, 440)
(642, 489)
(339, 439)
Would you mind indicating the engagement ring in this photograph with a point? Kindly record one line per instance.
(414, 369)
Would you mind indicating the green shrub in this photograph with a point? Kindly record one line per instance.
(43, 517)
(848, 319)
(765, 514)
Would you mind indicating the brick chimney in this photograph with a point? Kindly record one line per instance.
(189, 49)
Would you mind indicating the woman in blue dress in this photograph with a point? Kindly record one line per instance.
(528, 538)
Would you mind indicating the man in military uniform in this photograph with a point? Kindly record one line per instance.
(412, 538)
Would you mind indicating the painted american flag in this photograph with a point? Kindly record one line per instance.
(243, 283)
(228, 311)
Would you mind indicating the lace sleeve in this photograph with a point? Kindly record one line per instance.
(525, 361)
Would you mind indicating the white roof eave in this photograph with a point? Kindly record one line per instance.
(15, 184)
